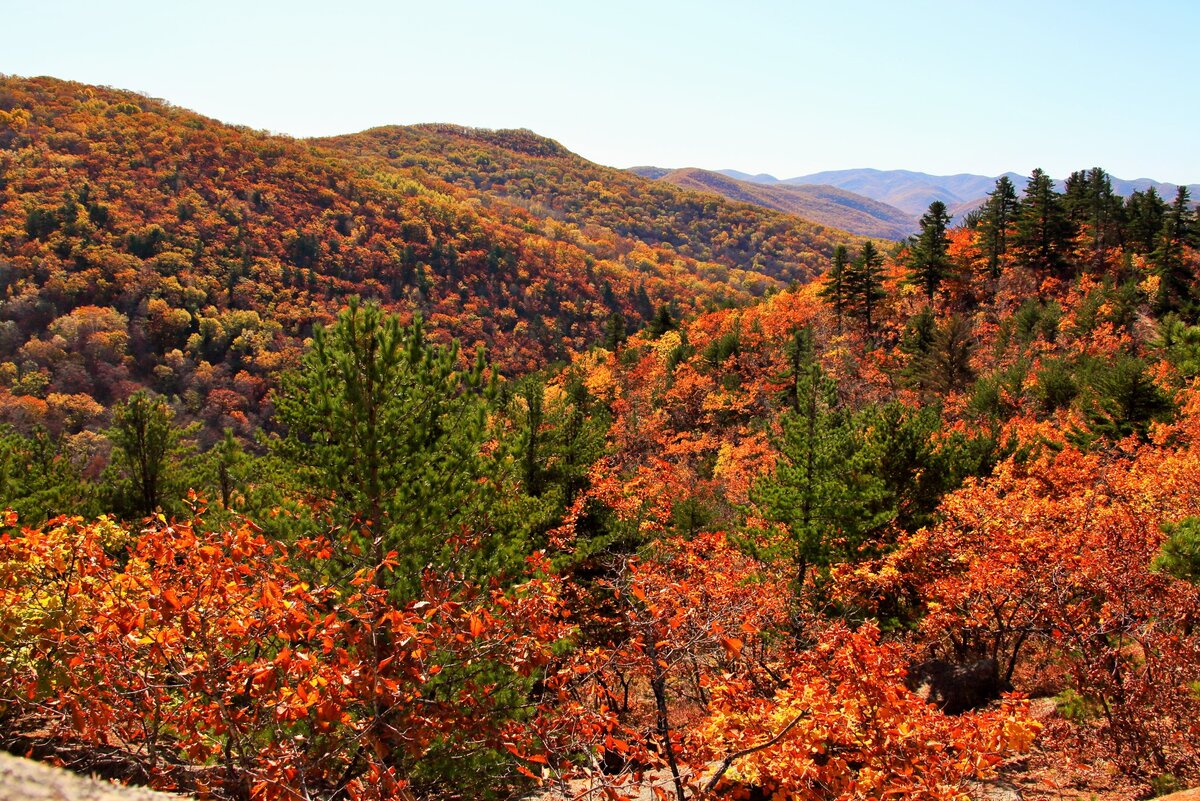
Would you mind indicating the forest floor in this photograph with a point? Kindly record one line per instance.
(1066, 764)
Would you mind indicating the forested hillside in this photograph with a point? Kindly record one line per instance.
(927, 521)
(544, 177)
(145, 246)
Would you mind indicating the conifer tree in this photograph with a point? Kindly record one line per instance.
(1144, 216)
(916, 343)
(228, 457)
(834, 290)
(1175, 277)
(823, 490)
(614, 331)
(146, 440)
(662, 322)
(39, 479)
(996, 219)
(863, 283)
(1092, 208)
(948, 361)
(1043, 229)
(385, 424)
(929, 260)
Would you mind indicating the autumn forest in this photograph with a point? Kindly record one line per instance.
(434, 462)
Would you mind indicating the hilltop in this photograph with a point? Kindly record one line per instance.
(548, 181)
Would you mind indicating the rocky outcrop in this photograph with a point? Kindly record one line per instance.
(26, 780)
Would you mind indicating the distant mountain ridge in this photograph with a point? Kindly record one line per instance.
(828, 205)
(912, 192)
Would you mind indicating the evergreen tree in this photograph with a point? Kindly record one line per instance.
(1092, 208)
(614, 332)
(824, 489)
(1175, 275)
(1180, 552)
(532, 392)
(228, 458)
(948, 362)
(1043, 230)
(386, 425)
(147, 448)
(996, 218)
(1144, 216)
(552, 436)
(39, 479)
(800, 352)
(916, 342)
(1075, 198)
(834, 290)
(1122, 399)
(929, 260)
(863, 282)
(662, 322)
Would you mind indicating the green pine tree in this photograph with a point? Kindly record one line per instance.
(149, 453)
(390, 429)
(615, 333)
(1144, 216)
(1043, 230)
(834, 290)
(929, 260)
(662, 322)
(1175, 276)
(863, 281)
(996, 221)
(824, 489)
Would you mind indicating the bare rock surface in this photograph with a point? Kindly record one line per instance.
(26, 780)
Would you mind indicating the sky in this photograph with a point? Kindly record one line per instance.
(787, 88)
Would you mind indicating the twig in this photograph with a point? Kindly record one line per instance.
(728, 761)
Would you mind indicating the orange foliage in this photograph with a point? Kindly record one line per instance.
(210, 645)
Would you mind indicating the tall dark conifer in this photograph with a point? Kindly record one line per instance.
(1043, 229)
(1144, 215)
(1175, 277)
(996, 219)
(834, 290)
(929, 260)
(1093, 209)
(864, 286)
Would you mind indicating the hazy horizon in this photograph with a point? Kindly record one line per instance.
(784, 89)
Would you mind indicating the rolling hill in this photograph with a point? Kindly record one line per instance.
(548, 181)
(824, 204)
(912, 192)
(144, 245)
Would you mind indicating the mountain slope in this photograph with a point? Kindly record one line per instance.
(144, 245)
(824, 204)
(552, 183)
(910, 191)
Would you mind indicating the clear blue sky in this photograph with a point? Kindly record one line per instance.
(781, 87)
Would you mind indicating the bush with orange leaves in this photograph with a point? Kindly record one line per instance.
(706, 693)
(1051, 562)
(182, 647)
